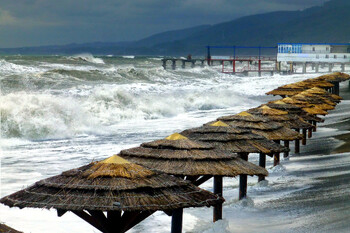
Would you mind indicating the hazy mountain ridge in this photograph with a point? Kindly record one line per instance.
(327, 23)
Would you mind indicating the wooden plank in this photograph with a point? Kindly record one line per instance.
(91, 220)
(131, 219)
(202, 180)
(60, 212)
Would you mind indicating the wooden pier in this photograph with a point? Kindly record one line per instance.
(174, 62)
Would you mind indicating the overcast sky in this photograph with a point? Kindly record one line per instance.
(47, 22)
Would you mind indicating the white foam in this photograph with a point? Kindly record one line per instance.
(88, 58)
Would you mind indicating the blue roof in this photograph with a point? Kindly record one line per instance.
(314, 43)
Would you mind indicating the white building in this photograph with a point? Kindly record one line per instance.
(314, 52)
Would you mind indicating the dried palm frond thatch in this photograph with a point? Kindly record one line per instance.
(294, 110)
(233, 139)
(313, 109)
(261, 126)
(295, 88)
(318, 92)
(90, 188)
(200, 160)
(334, 77)
(283, 117)
(317, 101)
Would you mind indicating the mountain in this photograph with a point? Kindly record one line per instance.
(327, 23)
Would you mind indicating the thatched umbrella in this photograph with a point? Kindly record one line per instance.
(287, 90)
(128, 193)
(315, 100)
(238, 140)
(295, 88)
(334, 78)
(193, 160)
(319, 92)
(263, 126)
(295, 111)
(283, 117)
(313, 109)
(6, 229)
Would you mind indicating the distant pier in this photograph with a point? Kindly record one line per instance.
(175, 62)
(289, 59)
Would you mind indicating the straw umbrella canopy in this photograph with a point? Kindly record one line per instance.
(293, 110)
(127, 191)
(237, 140)
(198, 161)
(241, 141)
(295, 88)
(310, 83)
(261, 126)
(297, 112)
(313, 109)
(334, 77)
(180, 156)
(265, 127)
(323, 94)
(317, 101)
(287, 90)
(283, 117)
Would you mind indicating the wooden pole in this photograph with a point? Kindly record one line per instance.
(303, 142)
(217, 212)
(336, 88)
(276, 156)
(262, 163)
(315, 124)
(297, 146)
(297, 143)
(276, 159)
(309, 133)
(243, 179)
(286, 144)
(176, 221)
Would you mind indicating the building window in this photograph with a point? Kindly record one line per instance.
(327, 56)
(313, 48)
(335, 56)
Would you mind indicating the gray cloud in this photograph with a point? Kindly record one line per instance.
(42, 22)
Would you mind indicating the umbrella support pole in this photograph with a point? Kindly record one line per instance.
(303, 142)
(243, 179)
(314, 123)
(176, 221)
(276, 156)
(309, 133)
(217, 212)
(297, 146)
(286, 144)
(262, 163)
(276, 159)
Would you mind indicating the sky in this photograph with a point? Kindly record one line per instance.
(57, 22)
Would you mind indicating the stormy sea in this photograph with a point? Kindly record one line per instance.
(62, 112)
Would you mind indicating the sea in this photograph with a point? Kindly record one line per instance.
(62, 112)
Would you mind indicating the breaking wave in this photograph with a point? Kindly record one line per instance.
(93, 111)
(88, 58)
